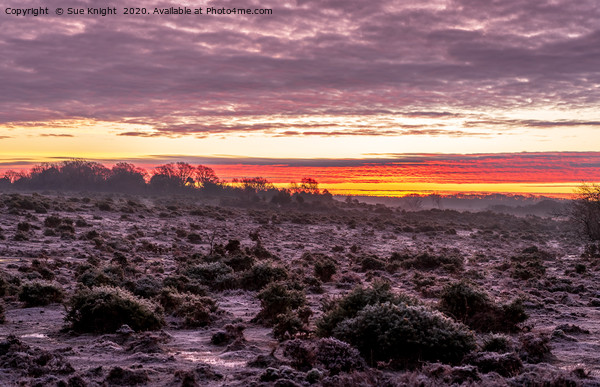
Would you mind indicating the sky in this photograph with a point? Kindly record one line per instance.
(377, 97)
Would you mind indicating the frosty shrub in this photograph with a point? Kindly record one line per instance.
(349, 305)
(277, 298)
(405, 334)
(40, 293)
(147, 287)
(239, 261)
(288, 325)
(107, 308)
(215, 274)
(261, 275)
(497, 343)
(195, 310)
(329, 353)
(425, 261)
(338, 356)
(474, 308)
(325, 269)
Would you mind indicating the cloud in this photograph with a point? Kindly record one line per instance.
(530, 169)
(434, 59)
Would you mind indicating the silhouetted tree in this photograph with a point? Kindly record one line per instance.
(172, 177)
(282, 196)
(4, 182)
(436, 199)
(255, 184)
(309, 185)
(204, 175)
(414, 202)
(14, 176)
(125, 177)
(82, 174)
(45, 176)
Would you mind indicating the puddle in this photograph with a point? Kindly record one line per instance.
(35, 336)
(209, 358)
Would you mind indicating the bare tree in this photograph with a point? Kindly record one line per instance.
(414, 202)
(204, 175)
(309, 185)
(436, 199)
(585, 210)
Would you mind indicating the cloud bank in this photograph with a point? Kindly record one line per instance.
(207, 74)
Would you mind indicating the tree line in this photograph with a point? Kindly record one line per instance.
(171, 178)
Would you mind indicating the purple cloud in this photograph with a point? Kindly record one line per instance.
(175, 72)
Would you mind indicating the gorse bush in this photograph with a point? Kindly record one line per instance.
(288, 325)
(277, 298)
(106, 308)
(349, 305)
(261, 275)
(325, 269)
(195, 310)
(40, 293)
(450, 261)
(329, 353)
(405, 334)
(216, 275)
(338, 356)
(474, 308)
(497, 343)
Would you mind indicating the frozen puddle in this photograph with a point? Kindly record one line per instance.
(210, 358)
(35, 336)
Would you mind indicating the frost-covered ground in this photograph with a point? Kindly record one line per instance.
(154, 238)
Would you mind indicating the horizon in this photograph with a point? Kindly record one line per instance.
(384, 99)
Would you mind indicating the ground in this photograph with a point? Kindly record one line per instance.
(156, 235)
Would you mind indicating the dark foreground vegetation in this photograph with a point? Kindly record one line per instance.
(107, 289)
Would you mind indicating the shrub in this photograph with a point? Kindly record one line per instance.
(146, 287)
(184, 284)
(405, 334)
(475, 309)
(497, 343)
(372, 263)
(288, 325)
(106, 308)
(329, 353)
(301, 353)
(239, 261)
(216, 275)
(535, 348)
(451, 262)
(195, 310)
(349, 305)
(40, 293)
(529, 263)
(325, 269)
(261, 275)
(24, 226)
(338, 356)
(277, 298)
(92, 277)
(229, 334)
(52, 221)
(505, 364)
(580, 268)
(194, 238)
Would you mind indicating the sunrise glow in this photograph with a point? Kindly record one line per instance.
(382, 99)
